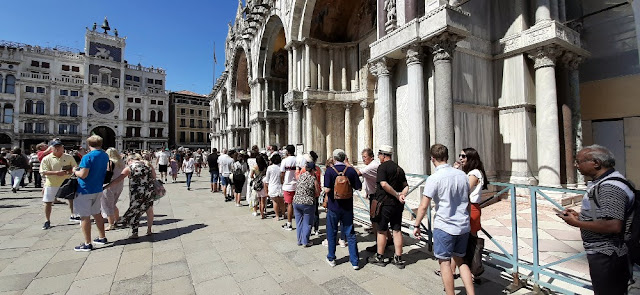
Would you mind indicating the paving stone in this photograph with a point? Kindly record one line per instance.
(19, 243)
(61, 268)
(168, 256)
(12, 253)
(133, 270)
(283, 271)
(261, 285)
(135, 256)
(98, 268)
(303, 286)
(176, 286)
(342, 285)
(94, 285)
(208, 271)
(48, 285)
(16, 282)
(221, 285)
(246, 270)
(208, 256)
(29, 262)
(140, 285)
(383, 285)
(169, 271)
(65, 255)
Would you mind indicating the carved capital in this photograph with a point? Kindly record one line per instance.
(572, 61)
(382, 67)
(415, 54)
(443, 46)
(309, 104)
(348, 106)
(544, 56)
(364, 104)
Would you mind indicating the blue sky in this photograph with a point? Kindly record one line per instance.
(175, 35)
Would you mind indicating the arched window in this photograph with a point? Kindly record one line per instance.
(63, 109)
(28, 107)
(11, 84)
(152, 116)
(138, 115)
(73, 110)
(8, 113)
(129, 115)
(159, 116)
(40, 107)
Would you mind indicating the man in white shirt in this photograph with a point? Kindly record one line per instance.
(289, 182)
(369, 173)
(449, 188)
(163, 163)
(225, 163)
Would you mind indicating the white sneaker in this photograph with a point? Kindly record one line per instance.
(254, 213)
(325, 243)
(342, 243)
(331, 263)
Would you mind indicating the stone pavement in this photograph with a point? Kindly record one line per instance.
(201, 245)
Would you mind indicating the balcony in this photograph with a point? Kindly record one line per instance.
(35, 76)
(145, 69)
(131, 88)
(70, 80)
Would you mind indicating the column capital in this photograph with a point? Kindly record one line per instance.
(544, 56)
(571, 60)
(443, 46)
(293, 105)
(348, 106)
(382, 66)
(309, 104)
(415, 54)
(267, 121)
(364, 104)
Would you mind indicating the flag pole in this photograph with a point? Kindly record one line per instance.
(215, 61)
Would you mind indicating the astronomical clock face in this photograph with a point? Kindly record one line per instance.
(104, 107)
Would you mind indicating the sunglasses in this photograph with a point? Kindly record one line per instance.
(462, 156)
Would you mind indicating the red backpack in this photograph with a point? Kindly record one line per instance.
(342, 186)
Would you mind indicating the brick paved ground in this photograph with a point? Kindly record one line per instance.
(201, 245)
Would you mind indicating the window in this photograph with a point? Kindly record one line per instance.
(65, 67)
(183, 112)
(129, 99)
(73, 129)
(75, 93)
(129, 132)
(152, 116)
(136, 79)
(29, 89)
(137, 129)
(152, 132)
(137, 112)
(158, 82)
(62, 129)
(28, 128)
(75, 69)
(94, 79)
(8, 113)
(208, 116)
(63, 109)
(128, 77)
(40, 128)
(28, 107)
(129, 115)
(35, 63)
(183, 123)
(64, 92)
(73, 110)
(160, 115)
(200, 137)
(1, 80)
(153, 101)
(45, 65)
(183, 136)
(11, 84)
(40, 107)
(159, 132)
(200, 113)
(199, 123)
(192, 123)
(192, 137)
(160, 102)
(192, 112)
(115, 82)
(149, 81)
(40, 90)
(138, 100)
(208, 124)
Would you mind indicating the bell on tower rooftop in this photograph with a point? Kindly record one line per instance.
(105, 25)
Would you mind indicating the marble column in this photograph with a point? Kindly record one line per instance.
(332, 65)
(327, 127)
(368, 131)
(417, 104)
(355, 86)
(290, 66)
(277, 122)
(296, 124)
(313, 66)
(543, 12)
(259, 135)
(385, 128)
(572, 62)
(267, 132)
(547, 128)
(307, 72)
(443, 49)
(296, 73)
(343, 69)
(309, 125)
(348, 140)
(320, 66)
(289, 121)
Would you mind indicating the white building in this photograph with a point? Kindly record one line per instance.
(56, 92)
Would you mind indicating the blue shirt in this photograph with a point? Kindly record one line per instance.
(449, 189)
(96, 161)
(329, 180)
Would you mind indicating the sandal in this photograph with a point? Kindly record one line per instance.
(149, 233)
(455, 276)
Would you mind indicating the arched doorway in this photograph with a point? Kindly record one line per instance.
(107, 134)
(5, 140)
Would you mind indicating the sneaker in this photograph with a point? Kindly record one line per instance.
(331, 263)
(398, 262)
(83, 248)
(287, 226)
(47, 225)
(309, 244)
(74, 218)
(378, 260)
(356, 267)
(254, 213)
(342, 243)
(316, 233)
(372, 249)
(325, 243)
(100, 241)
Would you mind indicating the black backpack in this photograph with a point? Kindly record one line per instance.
(632, 211)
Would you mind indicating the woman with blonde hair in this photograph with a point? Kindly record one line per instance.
(112, 194)
(141, 177)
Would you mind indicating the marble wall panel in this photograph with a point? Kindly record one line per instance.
(404, 118)
(517, 145)
(472, 80)
(513, 81)
(477, 130)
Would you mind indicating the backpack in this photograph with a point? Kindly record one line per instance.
(632, 211)
(342, 186)
(257, 184)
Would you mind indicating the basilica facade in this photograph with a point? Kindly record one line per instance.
(504, 77)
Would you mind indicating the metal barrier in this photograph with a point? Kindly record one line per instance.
(510, 258)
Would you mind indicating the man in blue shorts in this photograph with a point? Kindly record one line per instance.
(90, 173)
(449, 189)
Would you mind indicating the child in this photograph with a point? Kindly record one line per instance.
(174, 168)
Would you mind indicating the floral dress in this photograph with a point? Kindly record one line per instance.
(141, 194)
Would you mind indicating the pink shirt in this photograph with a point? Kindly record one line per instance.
(370, 173)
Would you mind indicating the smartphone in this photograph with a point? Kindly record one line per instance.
(559, 212)
(66, 167)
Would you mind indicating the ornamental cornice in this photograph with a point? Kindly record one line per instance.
(545, 56)
(541, 34)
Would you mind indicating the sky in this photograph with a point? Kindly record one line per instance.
(176, 35)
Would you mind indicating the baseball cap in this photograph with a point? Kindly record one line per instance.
(55, 142)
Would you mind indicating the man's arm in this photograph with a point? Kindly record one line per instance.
(82, 172)
(422, 211)
(603, 226)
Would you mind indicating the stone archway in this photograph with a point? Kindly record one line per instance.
(5, 140)
(107, 134)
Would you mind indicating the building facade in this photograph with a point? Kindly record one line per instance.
(57, 92)
(505, 77)
(189, 122)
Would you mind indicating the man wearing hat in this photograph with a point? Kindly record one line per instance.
(391, 191)
(57, 167)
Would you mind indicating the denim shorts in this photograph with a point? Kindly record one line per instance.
(215, 176)
(446, 245)
(224, 180)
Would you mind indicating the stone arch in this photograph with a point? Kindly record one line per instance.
(272, 31)
(338, 21)
(241, 75)
(107, 134)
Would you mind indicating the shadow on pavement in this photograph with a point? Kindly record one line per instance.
(160, 236)
(10, 206)
(161, 221)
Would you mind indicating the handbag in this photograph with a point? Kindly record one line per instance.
(68, 189)
(158, 190)
(109, 174)
(473, 256)
(375, 209)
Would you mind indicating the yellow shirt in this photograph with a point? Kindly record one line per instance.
(53, 163)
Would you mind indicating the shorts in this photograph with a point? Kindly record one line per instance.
(390, 218)
(446, 245)
(197, 165)
(49, 194)
(288, 197)
(87, 205)
(474, 218)
(162, 168)
(225, 180)
(238, 183)
(215, 176)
